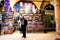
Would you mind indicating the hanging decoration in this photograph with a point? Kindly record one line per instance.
(7, 5)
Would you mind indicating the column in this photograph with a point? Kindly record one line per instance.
(57, 18)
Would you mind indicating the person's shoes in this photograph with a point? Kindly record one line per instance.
(0, 34)
(23, 37)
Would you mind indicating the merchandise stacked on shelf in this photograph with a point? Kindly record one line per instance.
(7, 26)
(34, 21)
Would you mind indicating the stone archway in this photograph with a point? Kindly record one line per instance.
(49, 17)
(28, 14)
(49, 7)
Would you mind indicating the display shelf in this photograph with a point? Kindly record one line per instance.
(7, 18)
(34, 23)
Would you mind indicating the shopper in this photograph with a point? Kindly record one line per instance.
(23, 26)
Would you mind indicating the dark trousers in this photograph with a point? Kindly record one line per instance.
(24, 33)
(23, 30)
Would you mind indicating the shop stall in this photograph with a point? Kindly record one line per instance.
(7, 19)
(29, 11)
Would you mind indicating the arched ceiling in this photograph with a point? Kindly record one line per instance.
(35, 0)
(40, 4)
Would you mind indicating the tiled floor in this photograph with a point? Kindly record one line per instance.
(30, 36)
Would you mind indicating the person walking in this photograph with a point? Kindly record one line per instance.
(23, 26)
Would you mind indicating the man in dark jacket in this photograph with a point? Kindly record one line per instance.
(23, 26)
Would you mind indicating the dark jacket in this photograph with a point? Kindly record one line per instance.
(23, 27)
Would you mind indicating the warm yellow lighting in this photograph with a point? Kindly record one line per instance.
(38, 4)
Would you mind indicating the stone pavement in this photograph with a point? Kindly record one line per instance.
(30, 36)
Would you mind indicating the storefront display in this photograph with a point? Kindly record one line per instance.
(28, 10)
(8, 21)
(34, 21)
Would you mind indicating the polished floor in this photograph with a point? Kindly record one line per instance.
(30, 36)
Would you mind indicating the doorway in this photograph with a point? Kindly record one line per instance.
(49, 18)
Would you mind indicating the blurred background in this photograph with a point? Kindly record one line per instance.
(40, 15)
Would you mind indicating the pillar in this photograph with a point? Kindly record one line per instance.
(57, 18)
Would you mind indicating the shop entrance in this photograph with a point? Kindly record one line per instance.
(36, 21)
(49, 18)
(28, 10)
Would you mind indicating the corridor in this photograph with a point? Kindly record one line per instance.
(30, 36)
